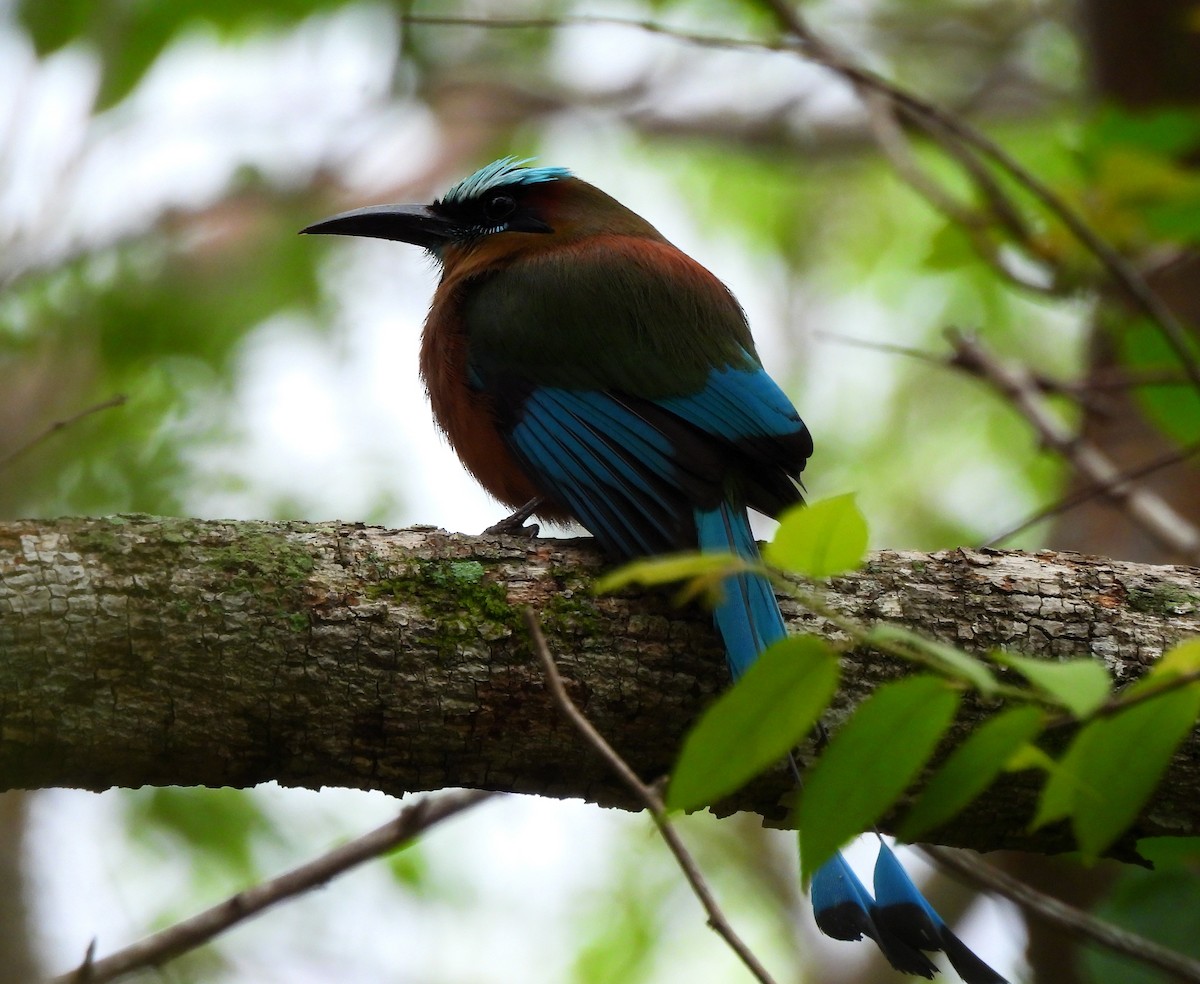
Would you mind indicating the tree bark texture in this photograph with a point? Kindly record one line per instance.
(140, 650)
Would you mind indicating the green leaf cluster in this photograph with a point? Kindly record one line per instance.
(1116, 758)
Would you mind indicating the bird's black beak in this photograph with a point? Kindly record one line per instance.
(416, 224)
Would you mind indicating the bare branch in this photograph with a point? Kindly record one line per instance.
(1066, 917)
(1153, 513)
(649, 798)
(191, 933)
(1046, 384)
(113, 401)
(893, 142)
(1086, 494)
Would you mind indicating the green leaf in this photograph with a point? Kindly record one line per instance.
(219, 827)
(821, 539)
(1058, 796)
(971, 768)
(1113, 766)
(1169, 132)
(755, 723)
(870, 762)
(668, 569)
(53, 25)
(950, 249)
(948, 659)
(1121, 760)
(408, 866)
(1080, 685)
(139, 35)
(1030, 757)
(1160, 905)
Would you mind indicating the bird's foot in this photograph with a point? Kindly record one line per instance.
(514, 525)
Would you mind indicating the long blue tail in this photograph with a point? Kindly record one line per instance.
(899, 918)
(748, 616)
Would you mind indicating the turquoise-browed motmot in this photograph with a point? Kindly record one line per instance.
(585, 368)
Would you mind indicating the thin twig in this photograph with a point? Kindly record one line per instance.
(1077, 923)
(1150, 511)
(649, 798)
(1086, 494)
(1127, 379)
(893, 141)
(595, 20)
(113, 401)
(1046, 384)
(199, 929)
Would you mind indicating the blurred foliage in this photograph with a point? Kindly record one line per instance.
(774, 171)
(215, 829)
(130, 37)
(158, 319)
(1160, 905)
(1173, 406)
(620, 935)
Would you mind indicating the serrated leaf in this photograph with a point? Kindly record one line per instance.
(971, 768)
(820, 539)
(669, 569)
(1121, 760)
(1080, 685)
(870, 762)
(954, 662)
(756, 722)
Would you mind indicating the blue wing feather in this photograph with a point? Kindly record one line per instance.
(615, 486)
(740, 403)
(656, 460)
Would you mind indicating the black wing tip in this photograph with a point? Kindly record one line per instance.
(849, 921)
(901, 936)
(966, 963)
(844, 921)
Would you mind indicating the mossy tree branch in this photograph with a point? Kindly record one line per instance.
(140, 650)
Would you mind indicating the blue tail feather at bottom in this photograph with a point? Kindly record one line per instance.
(899, 918)
(904, 913)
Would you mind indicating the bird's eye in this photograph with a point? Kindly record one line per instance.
(500, 207)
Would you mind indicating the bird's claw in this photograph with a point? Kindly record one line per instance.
(514, 525)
